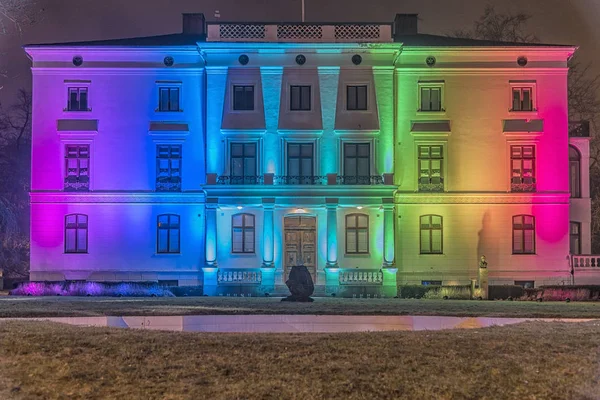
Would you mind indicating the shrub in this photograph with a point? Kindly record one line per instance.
(414, 291)
(90, 289)
(505, 291)
(572, 292)
(450, 292)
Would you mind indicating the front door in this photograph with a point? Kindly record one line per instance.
(300, 244)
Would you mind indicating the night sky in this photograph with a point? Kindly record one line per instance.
(554, 21)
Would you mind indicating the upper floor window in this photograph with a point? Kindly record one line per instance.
(243, 163)
(78, 99)
(357, 163)
(300, 163)
(168, 233)
(431, 159)
(430, 98)
(242, 233)
(357, 234)
(168, 99)
(574, 172)
(76, 233)
(300, 98)
(356, 98)
(575, 237)
(77, 167)
(522, 159)
(523, 234)
(243, 98)
(431, 230)
(168, 168)
(522, 98)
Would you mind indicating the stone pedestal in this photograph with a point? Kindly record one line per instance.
(483, 282)
(300, 284)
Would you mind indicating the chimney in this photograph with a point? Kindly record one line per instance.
(405, 24)
(194, 24)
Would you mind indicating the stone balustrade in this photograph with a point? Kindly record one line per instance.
(361, 277)
(585, 261)
(238, 276)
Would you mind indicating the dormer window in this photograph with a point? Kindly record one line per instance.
(78, 99)
(431, 96)
(243, 98)
(356, 98)
(300, 98)
(522, 99)
(168, 99)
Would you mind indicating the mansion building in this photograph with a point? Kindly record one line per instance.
(374, 155)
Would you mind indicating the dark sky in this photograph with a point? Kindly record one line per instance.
(554, 21)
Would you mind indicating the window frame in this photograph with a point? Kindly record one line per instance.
(534, 168)
(520, 85)
(578, 236)
(370, 159)
(442, 166)
(577, 194)
(244, 228)
(356, 86)
(431, 230)
(524, 230)
(300, 157)
(77, 228)
(253, 178)
(430, 85)
(233, 97)
(79, 88)
(169, 88)
(355, 231)
(168, 229)
(310, 94)
(86, 188)
(179, 187)
(168, 85)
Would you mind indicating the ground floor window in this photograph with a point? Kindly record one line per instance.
(575, 237)
(525, 284)
(357, 234)
(168, 234)
(242, 233)
(431, 234)
(76, 233)
(523, 234)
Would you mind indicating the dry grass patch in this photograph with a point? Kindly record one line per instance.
(526, 361)
(89, 306)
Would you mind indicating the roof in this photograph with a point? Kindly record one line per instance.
(181, 39)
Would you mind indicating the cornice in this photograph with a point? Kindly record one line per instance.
(117, 198)
(481, 198)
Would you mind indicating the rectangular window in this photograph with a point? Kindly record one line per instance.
(243, 98)
(575, 238)
(431, 160)
(357, 234)
(431, 234)
(76, 233)
(78, 99)
(243, 163)
(356, 98)
(300, 164)
(300, 98)
(168, 168)
(357, 164)
(525, 284)
(522, 99)
(168, 234)
(168, 99)
(522, 159)
(431, 98)
(523, 234)
(77, 168)
(242, 232)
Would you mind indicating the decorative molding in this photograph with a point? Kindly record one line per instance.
(117, 198)
(466, 198)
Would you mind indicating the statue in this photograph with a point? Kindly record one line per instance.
(482, 262)
(483, 277)
(300, 284)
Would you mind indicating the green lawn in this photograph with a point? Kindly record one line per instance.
(86, 306)
(526, 361)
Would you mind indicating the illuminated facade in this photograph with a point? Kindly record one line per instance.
(373, 155)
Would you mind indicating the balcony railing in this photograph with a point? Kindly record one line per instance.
(360, 180)
(431, 186)
(172, 184)
(239, 180)
(77, 184)
(579, 129)
(585, 261)
(300, 180)
(361, 277)
(236, 277)
(523, 185)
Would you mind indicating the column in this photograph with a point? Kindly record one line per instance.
(211, 233)
(332, 252)
(268, 233)
(388, 233)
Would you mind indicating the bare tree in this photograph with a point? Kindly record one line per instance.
(499, 27)
(15, 15)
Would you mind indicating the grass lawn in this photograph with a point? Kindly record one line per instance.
(86, 306)
(533, 360)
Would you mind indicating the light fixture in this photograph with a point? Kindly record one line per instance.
(300, 210)
(359, 207)
(239, 207)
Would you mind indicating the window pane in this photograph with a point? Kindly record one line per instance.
(306, 150)
(249, 166)
(351, 221)
(237, 240)
(174, 99)
(249, 220)
(527, 100)
(305, 97)
(529, 237)
(351, 98)
(363, 246)
(363, 150)
(70, 240)
(293, 150)
(363, 221)
(238, 220)
(163, 240)
(83, 99)
(306, 167)
(82, 240)
(350, 167)
(425, 241)
(351, 241)
(249, 241)
(350, 150)
(518, 241)
(295, 98)
(363, 167)
(238, 98)
(174, 241)
(362, 98)
(435, 99)
(516, 100)
(425, 99)
(436, 241)
(425, 222)
(164, 99)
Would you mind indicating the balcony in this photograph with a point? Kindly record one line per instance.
(77, 183)
(431, 185)
(168, 184)
(360, 180)
(580, 262)
(523, 185)
(325, 180)
(579, 129)
(361, 277)
(299, 32)
(238, 277)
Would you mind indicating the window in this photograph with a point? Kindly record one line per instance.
(243, 98)
(575, 237)
(525, 284)
(522, 99)
(574, 172)
(431, 283)
(300, 98)
(431, 234)
(243, 163)
(522, 159)
(300, 163)
(356, 98)
(431, 98)
(357, 234)
(242, 233)
(77, 168)
(78, 99)
(168, 99)
(168, 234)
(431, 159)
(523, 234)
(76, 233)
(357, 163)
(168, 168)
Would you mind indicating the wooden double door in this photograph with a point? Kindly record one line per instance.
(300, 244)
